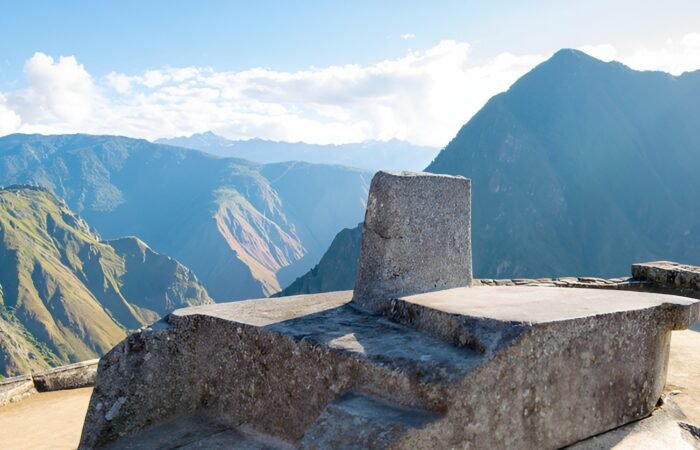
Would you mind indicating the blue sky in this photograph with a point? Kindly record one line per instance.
(114, 45)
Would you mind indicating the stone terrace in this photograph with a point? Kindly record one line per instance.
(414, 358)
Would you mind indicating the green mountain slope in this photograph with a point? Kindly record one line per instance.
(580, 168)
(67, 295)
(244, 228)
(337, 269)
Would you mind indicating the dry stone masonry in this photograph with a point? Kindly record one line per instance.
(70, 376)
(414, 358)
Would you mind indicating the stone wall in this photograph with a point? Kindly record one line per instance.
(663, 277)
(72, 376)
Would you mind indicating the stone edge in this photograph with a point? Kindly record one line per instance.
(71, 376)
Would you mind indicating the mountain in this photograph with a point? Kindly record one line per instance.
(66, 295)
(244, 228)
(337, 269)
(369, 155)
(581, 168)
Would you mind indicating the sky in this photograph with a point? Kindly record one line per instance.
(314, 71)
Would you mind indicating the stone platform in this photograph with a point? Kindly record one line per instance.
(481, 367)
(412, 358)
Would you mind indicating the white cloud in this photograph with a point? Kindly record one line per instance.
(58, 91)
(119, 82)
(9, 120)
(407, 36)
(675, 56)
(604, 52)
(423, 97)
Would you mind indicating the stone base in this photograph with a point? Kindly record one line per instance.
(667, 428)
(15, 389)
(483, 367)
(71, 376)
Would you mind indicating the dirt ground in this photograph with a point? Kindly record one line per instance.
(53, 420)
(684, 372)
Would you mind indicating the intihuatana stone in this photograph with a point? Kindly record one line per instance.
(482, 367)
(414, 358)
(416, 237)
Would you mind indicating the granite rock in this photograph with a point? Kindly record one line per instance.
(71, 376)
(416, 236)
(667, 274)
(482, 367)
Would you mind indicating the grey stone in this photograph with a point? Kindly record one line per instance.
(15, 389)
(667, 274)
(197, 431)
(666, 428)
(71, 376)
(416, 236)
(481, 367)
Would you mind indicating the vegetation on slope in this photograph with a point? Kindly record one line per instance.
(244, 228)
(67, 295)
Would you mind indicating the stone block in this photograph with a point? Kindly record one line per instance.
(667, 274)
(15, 389)
(416, 237)
(482, 367)
(71, 376)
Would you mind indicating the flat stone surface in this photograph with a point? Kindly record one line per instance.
(331, 321)
(525, 367)
(263, 312)
(197, 431)
(416, 237)
(359, 421)
(534, 304)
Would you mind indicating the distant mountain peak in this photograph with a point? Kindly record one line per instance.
(368, 155)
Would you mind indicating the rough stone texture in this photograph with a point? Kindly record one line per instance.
(416, 236)
(198, 431)
(482, 367)
(71, 376)
(15, 389)
(666, 428)
(681, 278)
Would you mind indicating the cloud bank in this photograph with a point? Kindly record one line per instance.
(423, 97)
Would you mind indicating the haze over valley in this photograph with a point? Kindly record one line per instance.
(230, 158)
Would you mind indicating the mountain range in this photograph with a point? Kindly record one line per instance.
(581, 168)
(244, 228)
(66, 295)
(369, 155)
